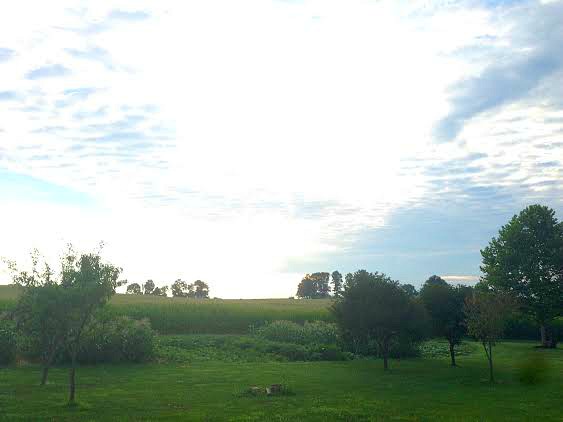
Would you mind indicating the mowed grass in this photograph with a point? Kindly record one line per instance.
(211, 316)
(414, 390)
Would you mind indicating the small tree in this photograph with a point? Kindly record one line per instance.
(444, 304)
(134, 289)
(487, 314)
(374, 307)
(336, 283)
(148, 287)
(198, 290)
(87, 283)
(40, 312)
(179, 288)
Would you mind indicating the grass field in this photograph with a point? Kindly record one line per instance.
(414, 390)
(213, 316)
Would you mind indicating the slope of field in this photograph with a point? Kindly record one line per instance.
(212, 316)
(413, 390)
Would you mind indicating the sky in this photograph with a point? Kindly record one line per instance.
(246, 143)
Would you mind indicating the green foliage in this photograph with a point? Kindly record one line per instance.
(314, 286)
(526, 260)
(8, 341)
(134, 289)
(215, 316)
(198, 290)
(337, 284)
(117, 340)
(179, 289)
(317, 332)
(444, 304)
(533, 369)
(148, 287)
(375, 310)
(229, 348)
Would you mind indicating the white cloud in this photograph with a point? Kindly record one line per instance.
(222, 139)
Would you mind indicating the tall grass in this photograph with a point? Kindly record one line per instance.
(210, 316)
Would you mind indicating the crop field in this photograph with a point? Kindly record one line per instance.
(210, 316)
(212, 387)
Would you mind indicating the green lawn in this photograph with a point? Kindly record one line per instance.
(415, 389)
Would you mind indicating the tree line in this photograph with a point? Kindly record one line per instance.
(197, 290)
(522, 272)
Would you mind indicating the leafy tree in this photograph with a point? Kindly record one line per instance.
(487, 314)
(444, 304)
(336, 283)
(149, 287)
(314, 286)
(160, 291)
(409, 289)
(179, 288)
(40, 312)
(374, 307)
(526, 260)
(87, 283)
(134, 289)
(199, 290)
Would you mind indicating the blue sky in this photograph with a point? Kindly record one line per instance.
(247, 143)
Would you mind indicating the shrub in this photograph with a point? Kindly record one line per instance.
(117, 340)
(7, 342)
(533, 369)
(317, 332)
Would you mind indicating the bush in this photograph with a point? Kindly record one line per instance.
(7, 342)
(317, 332)
(117, 340)
(533, 369)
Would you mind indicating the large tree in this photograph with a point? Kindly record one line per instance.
(444, 304)
(148, 287)
(314, 286)
(375, 308)
(526, 260)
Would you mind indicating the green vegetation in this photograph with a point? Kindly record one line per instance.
(359, 390)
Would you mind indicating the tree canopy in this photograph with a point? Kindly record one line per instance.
(526, 260)
(314, 286)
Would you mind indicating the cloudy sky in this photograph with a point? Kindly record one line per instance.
(246, 143)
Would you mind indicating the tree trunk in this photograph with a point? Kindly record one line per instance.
(71, 383)
(385, 355)
(491, 378)
(44, 374)
(452, 354)
(543, 333)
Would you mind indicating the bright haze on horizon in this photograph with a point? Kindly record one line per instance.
(246, 143)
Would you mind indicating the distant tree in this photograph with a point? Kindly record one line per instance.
(88, 283)
(526, 260)
(134, 289)
(444, 304)
(179, 288)
(160, 291)
(374, 307)
(314, 286)
(487, 314)
(337, 284)
(435, 280)
(148, 287)
(409, 289)
(198, 290)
